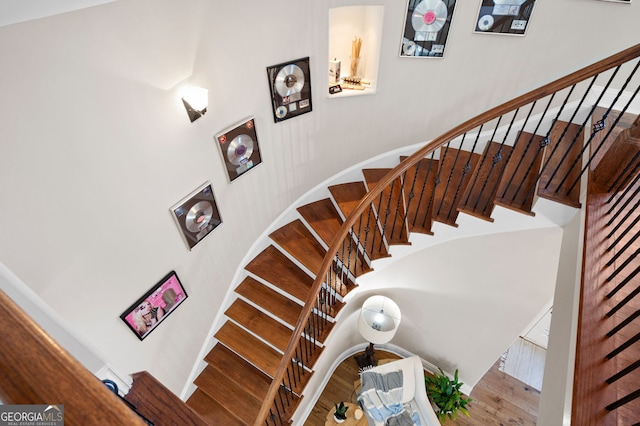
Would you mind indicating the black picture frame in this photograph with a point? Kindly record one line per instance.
(426, 28)
(239, 148)
(507, 17)
(155, 305)
(197, 215)
(290, 89)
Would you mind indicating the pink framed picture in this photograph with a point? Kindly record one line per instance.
(151, 309)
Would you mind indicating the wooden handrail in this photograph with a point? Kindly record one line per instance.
(36, 370)
(335, 246)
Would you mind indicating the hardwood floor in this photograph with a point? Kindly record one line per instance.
(498, 399)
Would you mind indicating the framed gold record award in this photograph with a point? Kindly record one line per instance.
(290, 86)
(239, 148)
(510, 17)
(426, 28)
(196, 215)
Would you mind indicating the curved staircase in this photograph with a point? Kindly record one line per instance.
(294, 288)
(269, 300)
(286, 306)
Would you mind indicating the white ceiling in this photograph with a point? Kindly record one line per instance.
(15, 11)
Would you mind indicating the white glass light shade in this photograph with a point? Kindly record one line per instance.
(197, 97)
(379, 319)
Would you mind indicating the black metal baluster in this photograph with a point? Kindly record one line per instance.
(624, 175)
(613, 231)
(406, 212)
(547, 140)
(622, 197)
(521, 160)
(433, 193)
(624, 323)
(595, 152)
(623, 372)
(439, 180)
(624, 346)
(465, 169)
(356, 237)
(622, 401)
(411, 195)
(622, 208)
(628, 298)
(496, 159)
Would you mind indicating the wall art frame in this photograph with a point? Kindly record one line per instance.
(426, 28)
(290, 88)
(505, 17)
(196, 215)
(239, 148)
(155, 305)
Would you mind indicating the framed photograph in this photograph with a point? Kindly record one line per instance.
(197, 215)
(239, 148)
(426, 28)
(151, 309)
(290, 86)
(509, 17)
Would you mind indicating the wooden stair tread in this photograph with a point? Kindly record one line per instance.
(276, 303)
(453, 176)
(263, 356)
(396, 231)
(260, 324)
(300, 243)
(229, 394)
(323, 217)
(212, 412)
(517, 186)
(348, 196)
(236, 368)
(478, 196)
(254, 381)
(249, 347)
(281, 306)
(277, 269)
(420, 182)
(558, 175)
(325, 220)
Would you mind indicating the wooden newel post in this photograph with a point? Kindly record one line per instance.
(627, 147)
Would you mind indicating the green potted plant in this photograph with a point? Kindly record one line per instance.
(445, 393)
(341, 412)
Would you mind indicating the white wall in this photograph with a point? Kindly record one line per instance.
(95, 147)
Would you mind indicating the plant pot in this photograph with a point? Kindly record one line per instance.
(337, 420)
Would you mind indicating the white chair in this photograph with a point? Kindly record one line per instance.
(413, 389)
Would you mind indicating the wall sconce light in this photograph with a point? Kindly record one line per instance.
(378, 322)
(195, 100)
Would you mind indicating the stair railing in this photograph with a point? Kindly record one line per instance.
(607, 350)
(36, 370)
(472, 167)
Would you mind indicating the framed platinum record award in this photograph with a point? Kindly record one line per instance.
(426, 28)
(239, 148)
(196, 215)
(509, 17)
(290, 86)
